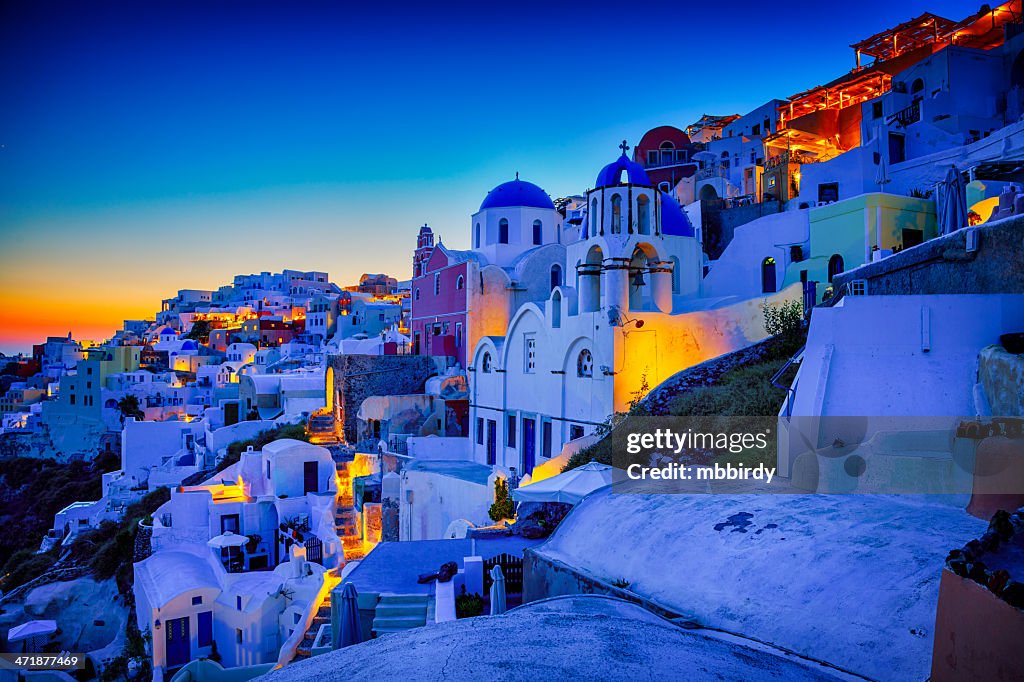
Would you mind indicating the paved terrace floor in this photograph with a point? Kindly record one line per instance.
(393, 567)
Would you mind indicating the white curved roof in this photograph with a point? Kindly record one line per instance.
(810, 573)
(167, 574)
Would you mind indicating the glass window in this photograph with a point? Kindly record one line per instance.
(538, 232)
(503, 231)
(510, 431)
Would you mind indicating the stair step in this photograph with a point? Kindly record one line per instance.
(401, 610)
(399, 622)
(386, 630)
(392, 599)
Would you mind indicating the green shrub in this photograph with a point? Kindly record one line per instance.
(24, 566)
(503, 507)
(468, 605)
(785, 321)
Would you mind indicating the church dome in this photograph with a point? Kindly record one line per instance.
(612, 173)
(517, 193)
(673, 220)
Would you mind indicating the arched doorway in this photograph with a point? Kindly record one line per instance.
(556, 276)
(835, 266)
(707, 193)
(768, 275)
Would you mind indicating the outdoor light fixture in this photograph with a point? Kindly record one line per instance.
(617, 319)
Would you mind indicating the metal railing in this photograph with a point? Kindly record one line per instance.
(907, 115)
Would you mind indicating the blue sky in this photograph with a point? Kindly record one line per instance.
(152, 146)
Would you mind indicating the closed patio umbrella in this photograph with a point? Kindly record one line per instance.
(951, 202)
(570, 487)
(498, 601)
(351, 631)
(228, 539)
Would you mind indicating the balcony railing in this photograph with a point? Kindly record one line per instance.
(907, 116)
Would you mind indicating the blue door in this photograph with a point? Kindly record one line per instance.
(529, 445)
(492, 442)
(179, 649)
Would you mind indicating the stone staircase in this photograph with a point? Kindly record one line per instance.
(399, 612)
(346, 519)
(323, 615)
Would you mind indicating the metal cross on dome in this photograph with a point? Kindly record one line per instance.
(624, 147)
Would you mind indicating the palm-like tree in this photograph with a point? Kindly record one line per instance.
(128, 406)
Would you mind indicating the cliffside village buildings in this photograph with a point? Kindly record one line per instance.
(500, 360)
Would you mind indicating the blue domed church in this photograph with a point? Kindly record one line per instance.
(623, 314)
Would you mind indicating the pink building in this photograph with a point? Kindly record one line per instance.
(439, 298)
(460, 296)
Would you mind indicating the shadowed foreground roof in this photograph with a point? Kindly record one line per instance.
(584, 637)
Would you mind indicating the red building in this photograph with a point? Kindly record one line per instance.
(665, 153)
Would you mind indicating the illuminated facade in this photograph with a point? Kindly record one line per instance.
(628, 316)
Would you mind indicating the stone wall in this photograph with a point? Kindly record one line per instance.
(943, 265)
(358, 377)
(1002, 375)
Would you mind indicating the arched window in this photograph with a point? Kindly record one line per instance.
(768, 275)
(417, 293)
(476, 236)
(667, 153)
(460, 283)
(485, 363)
(675, 274)
(437, 283)
(585, 364)
(835, 266)
(538, 232)
(616, 214)
(556, 310)
(592, 219)
(503, 231)
(556, 276)
(917, 86)
(643, 214)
